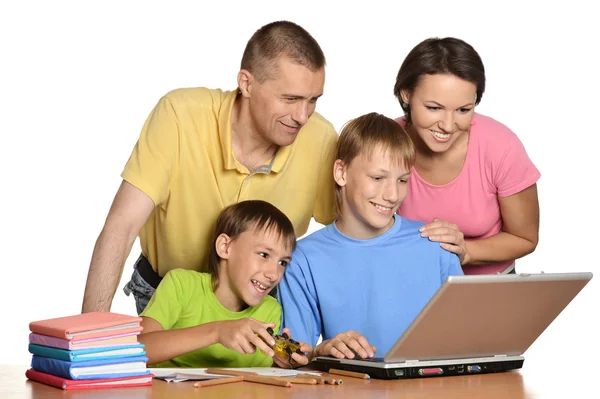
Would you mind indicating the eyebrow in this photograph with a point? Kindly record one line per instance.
(298, 96)
(269, 249)
(440, 105)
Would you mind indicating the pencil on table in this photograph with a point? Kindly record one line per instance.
(297, 380)
(267, 381)
(349, 373)
(219, 381)
(229, 372)
(332, 381)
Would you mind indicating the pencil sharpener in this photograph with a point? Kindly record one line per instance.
(285, 346)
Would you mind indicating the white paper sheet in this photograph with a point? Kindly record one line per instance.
(183, 374)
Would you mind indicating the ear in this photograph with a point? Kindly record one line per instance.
(405, 94)
(222, 246)
(245, 81)
(339, 172)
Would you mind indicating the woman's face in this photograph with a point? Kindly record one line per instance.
(441, 109)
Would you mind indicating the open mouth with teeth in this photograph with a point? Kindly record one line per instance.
(439, 136)
(260, 287)
(382, 209)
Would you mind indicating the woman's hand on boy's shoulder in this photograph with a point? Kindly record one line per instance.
(296, 359)
(346, 345)
(245, 336)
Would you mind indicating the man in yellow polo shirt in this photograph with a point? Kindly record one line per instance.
(201, 150)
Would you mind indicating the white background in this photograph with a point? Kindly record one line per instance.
(78, 79)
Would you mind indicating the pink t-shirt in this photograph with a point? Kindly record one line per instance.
(496, 165)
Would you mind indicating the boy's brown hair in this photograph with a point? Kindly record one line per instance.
(365, 134)
(243, 216)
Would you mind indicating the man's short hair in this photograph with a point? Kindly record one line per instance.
(277, 39)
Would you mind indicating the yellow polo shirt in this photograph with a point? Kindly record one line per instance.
(184, 161)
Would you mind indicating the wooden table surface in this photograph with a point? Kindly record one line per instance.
(526, 383)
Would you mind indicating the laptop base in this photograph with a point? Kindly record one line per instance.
(419, 371)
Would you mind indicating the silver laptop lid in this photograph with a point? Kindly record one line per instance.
(479, 316)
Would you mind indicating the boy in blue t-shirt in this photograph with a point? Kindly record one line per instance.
(360, 281)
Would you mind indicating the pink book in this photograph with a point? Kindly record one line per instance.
(87, 325)
(63, 383)
(115, 340)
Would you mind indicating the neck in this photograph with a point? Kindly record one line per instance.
(250, 147)
(227, 297)
(355, 229)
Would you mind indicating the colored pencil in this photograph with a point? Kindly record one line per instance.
(297, 380)
(219, 381)
(349, 373)
(267, 381)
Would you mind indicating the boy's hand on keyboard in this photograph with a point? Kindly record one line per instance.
(346, 345)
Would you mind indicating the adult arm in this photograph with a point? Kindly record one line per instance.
(519, 236)
(129, 211)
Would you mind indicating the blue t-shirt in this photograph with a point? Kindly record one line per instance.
(375, 287)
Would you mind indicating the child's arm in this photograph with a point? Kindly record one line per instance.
(239, 335)
(346, 345)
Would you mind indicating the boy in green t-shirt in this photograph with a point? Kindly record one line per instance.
(220, 318)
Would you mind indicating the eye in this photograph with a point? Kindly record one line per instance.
(290, 99)
(464, 110)
(403, 180)
(313, 100)
(264, 255)
(376, 178)
(283, 263)
(432, 108)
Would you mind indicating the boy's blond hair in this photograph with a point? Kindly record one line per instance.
(365, 134)
(243, 216)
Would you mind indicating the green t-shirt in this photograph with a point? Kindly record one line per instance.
(185, 298)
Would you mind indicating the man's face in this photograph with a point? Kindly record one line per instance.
(282, 104)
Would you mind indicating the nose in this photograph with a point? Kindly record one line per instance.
(271, 271)
(447, 124)
(391, 192)
(302, 111)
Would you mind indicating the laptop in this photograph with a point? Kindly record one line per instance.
(472, 325)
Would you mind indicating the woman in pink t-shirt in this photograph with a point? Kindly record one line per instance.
(473, 181)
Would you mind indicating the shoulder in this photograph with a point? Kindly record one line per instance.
(492, 132)
(195, 97)
(312, 240)
(319, 127)
(186, 279)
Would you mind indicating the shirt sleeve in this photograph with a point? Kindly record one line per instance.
(166, 304)
(297, 295)
(324, 210)
(515, 171)
(450, 265)
(155, 156)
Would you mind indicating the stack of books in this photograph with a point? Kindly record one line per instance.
(91, 350)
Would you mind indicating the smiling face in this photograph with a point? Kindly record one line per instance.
(251, 265)
(372, 188)
(282, 104)
(441, 110)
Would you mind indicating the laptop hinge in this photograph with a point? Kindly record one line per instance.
(500, 355)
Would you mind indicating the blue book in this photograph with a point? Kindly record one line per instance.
(87, 354)
(91, 369)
